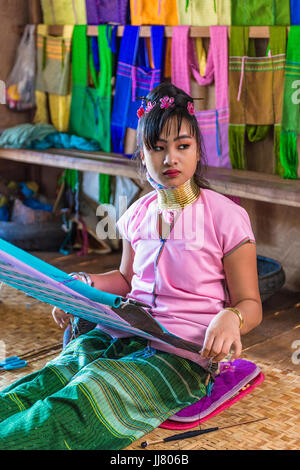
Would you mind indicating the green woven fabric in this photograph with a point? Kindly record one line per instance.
(97, 394)
(260, 12)
(291, 111)
(91, 105)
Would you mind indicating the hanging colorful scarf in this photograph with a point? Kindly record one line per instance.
(106, 11)
(54, 60)
(255, 92)
(122, 96)
(213, 123)
(90, 106)
(260, 12)
(201, 55)
(144, 78)
(204, 12)
(295, 12)
(64, 11)
(53, 89)
(53, 109)
(154, 12)
(135, 78)
(291, 110)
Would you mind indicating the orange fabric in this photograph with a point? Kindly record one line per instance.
(168, 58)
(147, 12)
(149, 51)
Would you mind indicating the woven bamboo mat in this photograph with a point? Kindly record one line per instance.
(26, 326)
(277, 398)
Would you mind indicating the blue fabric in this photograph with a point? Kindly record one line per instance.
(295, 12)
(25, 190)
(95, 52)
(4, 214)
(133, 59)
(127, 55)
(158, 46)
(146, 78)
(37, 205)
(112, 42)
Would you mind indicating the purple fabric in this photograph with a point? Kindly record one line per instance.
(213, 125)
(106, 11)
(93, 12)
(233, 376)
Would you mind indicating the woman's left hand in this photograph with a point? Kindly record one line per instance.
(222, 336)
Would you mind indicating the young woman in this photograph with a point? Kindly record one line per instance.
(189, 253)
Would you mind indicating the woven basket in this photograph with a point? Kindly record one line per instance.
(271, 276)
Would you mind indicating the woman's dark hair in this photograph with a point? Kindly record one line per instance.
(151, 125)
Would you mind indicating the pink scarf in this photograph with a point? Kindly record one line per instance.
(183, 60)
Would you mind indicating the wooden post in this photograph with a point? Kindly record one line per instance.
(35, 12)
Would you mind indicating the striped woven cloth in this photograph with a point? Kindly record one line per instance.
(54, 60)
(255, 92)
(99, 393)
(257, 89)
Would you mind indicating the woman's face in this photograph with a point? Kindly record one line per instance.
(174, 159)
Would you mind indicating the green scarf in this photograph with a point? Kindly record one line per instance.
(91, 94)
(291, 111)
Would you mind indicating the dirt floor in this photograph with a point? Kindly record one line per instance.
(27, 328)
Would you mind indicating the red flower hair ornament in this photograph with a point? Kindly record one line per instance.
(165, 103)
(140, 112)
(190, 108)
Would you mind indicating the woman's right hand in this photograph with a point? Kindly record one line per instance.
(61, 318)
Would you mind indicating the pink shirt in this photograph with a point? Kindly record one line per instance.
(182, 278)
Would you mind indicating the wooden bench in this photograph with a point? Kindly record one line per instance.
(246, 184)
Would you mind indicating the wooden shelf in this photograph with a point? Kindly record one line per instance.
(255, 185)
(98, 162)
(245, 184)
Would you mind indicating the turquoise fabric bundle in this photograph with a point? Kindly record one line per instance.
(20, 137)
(60, 140)
(43, 136)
